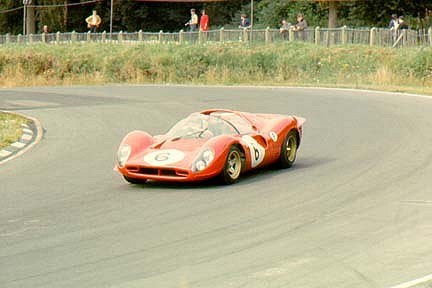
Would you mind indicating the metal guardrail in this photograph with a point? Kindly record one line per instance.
(318, 36)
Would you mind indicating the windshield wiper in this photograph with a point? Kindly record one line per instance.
(200, 132)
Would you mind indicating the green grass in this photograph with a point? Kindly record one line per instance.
(288, 64)
(10, 128)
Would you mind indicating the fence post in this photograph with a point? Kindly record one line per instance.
(267, 35)
(88, 36)
(103, 36)
(19, 39)
(291, 35)
(73, 37)
(317, 35)
(160, 36)
(58, 37)
(430, 36)
(245, 34)
(200, 36)
(31, 39)
(7, 38)
(120, 37)
(43, 37)
(140, 35)
(221, 35)
(344, 35)
(181, 36)
(372, 36)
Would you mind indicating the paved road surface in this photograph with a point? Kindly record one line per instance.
(355, 210)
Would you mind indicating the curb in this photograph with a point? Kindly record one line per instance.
(32, 134)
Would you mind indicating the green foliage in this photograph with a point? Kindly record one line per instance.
(130, 15)
(290, 63)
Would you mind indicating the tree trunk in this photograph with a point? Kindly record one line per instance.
(65, 16)
(332, 14)
(30, 21)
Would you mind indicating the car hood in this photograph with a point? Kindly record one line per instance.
(179, 153)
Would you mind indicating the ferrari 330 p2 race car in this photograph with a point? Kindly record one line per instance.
(210, 143)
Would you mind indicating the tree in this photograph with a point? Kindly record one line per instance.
(11, 17)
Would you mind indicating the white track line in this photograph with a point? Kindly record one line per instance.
(414, 282)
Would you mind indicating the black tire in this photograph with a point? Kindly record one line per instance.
(134, 180)
(288, 151)
(233, 166)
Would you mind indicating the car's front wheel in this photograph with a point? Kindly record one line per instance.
(134, 180)
(233, 166)
(289, 150)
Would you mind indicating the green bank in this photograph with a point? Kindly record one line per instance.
(10, 128)
(288, 64)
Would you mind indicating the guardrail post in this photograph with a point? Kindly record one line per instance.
(181, 36)
(267, 35)
(160, 36)
(372, 36)
(430, 36)
(291, 35)
(58, 37)
(103, 36)
(344, 35)
(19, 39)
(7, 38)
(73, 36)
(221, 35)
(140, 35)
(88, 36)
(317, 35)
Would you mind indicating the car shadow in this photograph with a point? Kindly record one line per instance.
(247, 178)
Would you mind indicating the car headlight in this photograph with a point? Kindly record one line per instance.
(123, 155)
(203, 160)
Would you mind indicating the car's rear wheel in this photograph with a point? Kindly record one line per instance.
(134, 180)
(289, 150)
(233, 166)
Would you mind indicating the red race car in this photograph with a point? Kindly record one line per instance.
(211, 143)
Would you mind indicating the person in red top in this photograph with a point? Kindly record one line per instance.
(204, 20)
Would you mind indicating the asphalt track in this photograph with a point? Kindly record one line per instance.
(355, 210)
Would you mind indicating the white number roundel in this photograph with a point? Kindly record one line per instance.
(164, 157)
(256, 150)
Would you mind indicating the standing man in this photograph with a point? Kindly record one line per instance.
(244, 22)
(193, 22)
(93, 22)
(204, 20)
(300, 26)
(284, 29)
(394, 22)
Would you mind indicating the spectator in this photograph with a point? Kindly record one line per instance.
(284, 29)
(45, 29)
(93, 22)
(244, 22)
(204, 20)
(401, 24)
(393, 22)
(300, 26)
(193, 22)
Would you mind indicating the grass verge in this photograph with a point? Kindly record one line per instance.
(10, 128)
(287, 64)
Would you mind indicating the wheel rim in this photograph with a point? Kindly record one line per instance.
(291, 148)
(234, 164)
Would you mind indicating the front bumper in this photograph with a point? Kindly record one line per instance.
(171, 174)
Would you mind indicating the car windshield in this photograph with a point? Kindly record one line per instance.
(201, 126)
